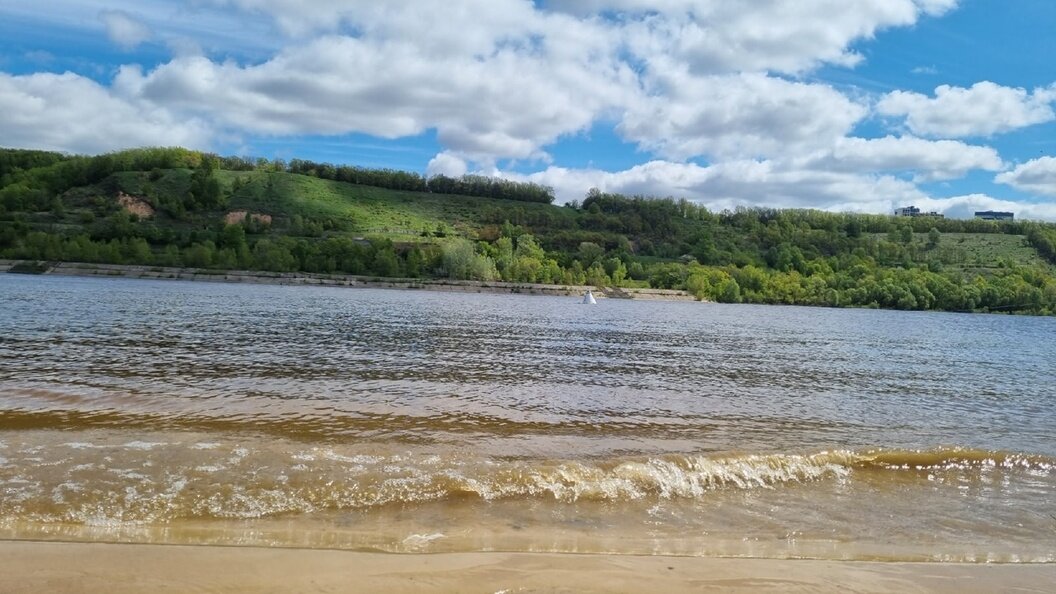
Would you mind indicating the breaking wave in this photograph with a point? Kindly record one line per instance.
(172, 481)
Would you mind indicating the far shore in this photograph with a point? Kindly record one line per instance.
(344, 280)
(85, 568)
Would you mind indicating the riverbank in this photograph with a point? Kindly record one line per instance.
(113, 568)
(341, 280)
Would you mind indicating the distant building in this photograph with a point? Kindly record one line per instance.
(994, 215)
(913, 211)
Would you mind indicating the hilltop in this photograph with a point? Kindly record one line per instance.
(176, 207)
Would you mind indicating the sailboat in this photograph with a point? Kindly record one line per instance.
(588, 299)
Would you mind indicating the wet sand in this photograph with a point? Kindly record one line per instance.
(114, 568)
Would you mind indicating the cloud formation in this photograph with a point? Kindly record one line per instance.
(737, 183)
(67, 112)
(123, 29)
(743, 115)
(718, 97)
(785, 36)
(984, 109)
(928, 160)
(1037, 176)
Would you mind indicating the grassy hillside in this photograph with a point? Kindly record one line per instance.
(972, 251)
(342, 207)
(178, 207)
(980, 252)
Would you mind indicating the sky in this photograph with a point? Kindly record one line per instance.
(841, 105)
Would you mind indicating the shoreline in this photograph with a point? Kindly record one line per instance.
(346, 280)
(27, 566)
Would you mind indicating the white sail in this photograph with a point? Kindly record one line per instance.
(589, 298)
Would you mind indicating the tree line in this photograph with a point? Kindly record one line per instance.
(55, 207)
(466, 185)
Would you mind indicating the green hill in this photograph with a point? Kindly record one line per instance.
(183, 208)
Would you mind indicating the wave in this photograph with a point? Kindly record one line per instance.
(233, 481)
(289, 421)
(951, 458)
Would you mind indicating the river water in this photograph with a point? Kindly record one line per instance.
(404, 421)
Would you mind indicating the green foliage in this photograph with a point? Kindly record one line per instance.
(1043, 239)
(934, 236)
(491, 187)
(713, 284)
(462, 261)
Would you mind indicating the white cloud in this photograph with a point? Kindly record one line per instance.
(67, 112)
(509, 103)
(984, 109)
(745, 115)
(789, 36)
(769, 184)
(123, 29)
(928, 160)
(447, 164)
(1037, 176)
(715, 35)
(965, 207)
(926, 70)
(446, 26)
(506, 79)
(736, 183)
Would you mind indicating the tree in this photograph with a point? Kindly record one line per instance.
(206, 192)
(414, 263)
(461, 261)
(933, 238)
(596, 276)
(589, 253)
(905, 234)
(273, 255)
(385, 262)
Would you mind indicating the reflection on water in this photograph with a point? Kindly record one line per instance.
(199, 412)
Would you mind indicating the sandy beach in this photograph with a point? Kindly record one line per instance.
(114, 568)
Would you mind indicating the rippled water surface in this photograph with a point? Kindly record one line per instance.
(145, 411)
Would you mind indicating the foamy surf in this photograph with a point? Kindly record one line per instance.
(949, 504)
(160, 481)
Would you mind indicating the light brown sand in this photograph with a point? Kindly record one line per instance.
(114, 569)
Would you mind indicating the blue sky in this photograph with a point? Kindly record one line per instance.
(860, 105)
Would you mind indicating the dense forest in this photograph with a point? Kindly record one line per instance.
(176, 207)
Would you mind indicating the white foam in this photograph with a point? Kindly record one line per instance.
(206, 445)
(357, 459)
(417, 541)
(57, 494)
(80, 445)
(128, 473)
(144, 445)
(175, 487)
(108, 522)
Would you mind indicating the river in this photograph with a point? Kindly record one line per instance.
(412, 421)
